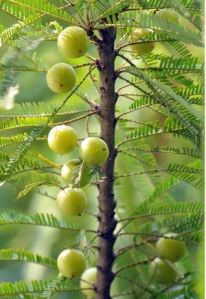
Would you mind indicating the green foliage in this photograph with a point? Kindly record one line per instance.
(158, 138)
(21, 9)
(24, 256)
(164, 209)
(26, 290)
(14, 217)
(173, 29)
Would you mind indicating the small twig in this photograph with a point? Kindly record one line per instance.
(139, 173)
(91, 214)
(136, 86)
(133, 265)
(134, 283)
(130, 247)
(82, 65)
(74, 119)
(68, 97)
(127, 85)
(144, 42)
(86, 99)
(171, 285)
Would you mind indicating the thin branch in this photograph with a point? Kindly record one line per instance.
(144, 42)
(158, 150)
(72, 229)
(135, 283)
(45, 194)
(140, 173)
(127, 97)
(86, 99)
(90, 214)
(133, 121)
(78, 14)
(171, 285)
(6, 116)
(51, 124)
(69, 96)
(136, 86)
(132, 110)
(127, 85)
(66, 122)
(153, 134)
(136, 158)
(82, 65)
(132, 247)
(133, 265)
(156, 214)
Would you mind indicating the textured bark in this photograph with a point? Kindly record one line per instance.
(107, 222)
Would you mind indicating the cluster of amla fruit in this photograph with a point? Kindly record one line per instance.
(72, 263)
(71, 200)
(170, 251)
(93, 153)
(72, 42)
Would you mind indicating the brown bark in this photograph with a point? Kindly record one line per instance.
(107, 222)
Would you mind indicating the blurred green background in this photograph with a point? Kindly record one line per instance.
(46, 241)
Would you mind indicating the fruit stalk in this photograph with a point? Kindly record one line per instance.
(107, 222)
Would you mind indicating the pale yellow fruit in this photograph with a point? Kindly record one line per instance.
(62, 139)
(171, 249)
(94, 151)
(71, 263)
(68, 169)
(72, 201)
(88, 280)
(73, 42)
(162, 271)
(61, 78)
(138, 36)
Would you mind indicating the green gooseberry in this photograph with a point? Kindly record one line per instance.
(72, 201)
(71, 263)
(162, 271)
(138, 36)
(170, 248)
(68, 169)
(61, 78)
(73, 42)
(62, 139)
(87, 283)
(94, 151)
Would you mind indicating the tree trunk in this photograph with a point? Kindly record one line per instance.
(107, 222)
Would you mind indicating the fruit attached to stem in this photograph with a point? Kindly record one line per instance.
(170, 249)
(94, 151)
(162, 271)
(62, 139)
(72, 201)
(73, 42)
(68, 169)
(87, 283)
(137, 38)
(61, 78)
(71, 263)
